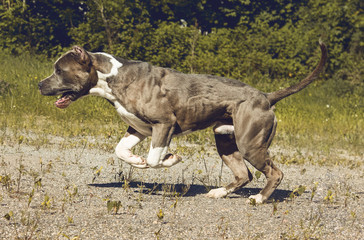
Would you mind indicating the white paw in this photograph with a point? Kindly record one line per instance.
(141, 166)
(134, 160)
(217, 193)
(255, 199)
(138, 162)
(172, 160)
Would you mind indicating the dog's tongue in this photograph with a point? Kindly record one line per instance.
(63, 102)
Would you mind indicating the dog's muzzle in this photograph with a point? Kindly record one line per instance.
(64, 101)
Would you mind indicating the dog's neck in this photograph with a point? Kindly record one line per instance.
(105, 64)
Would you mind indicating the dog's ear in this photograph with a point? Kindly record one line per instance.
(81, 54)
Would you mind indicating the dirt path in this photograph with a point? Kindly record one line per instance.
(83, 194)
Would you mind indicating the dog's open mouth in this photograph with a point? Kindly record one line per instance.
(65, 100)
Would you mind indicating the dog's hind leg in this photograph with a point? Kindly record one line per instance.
(231, 156)
(253, 137)
(123, 149)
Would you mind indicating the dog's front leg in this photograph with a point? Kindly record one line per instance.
(123, 149)
(161, 138)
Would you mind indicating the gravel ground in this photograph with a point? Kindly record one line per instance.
(79, 191)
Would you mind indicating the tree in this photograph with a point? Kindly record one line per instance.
(38, 26)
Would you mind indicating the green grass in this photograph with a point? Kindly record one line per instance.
(315, 120)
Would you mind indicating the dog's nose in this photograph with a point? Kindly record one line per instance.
(40, 85)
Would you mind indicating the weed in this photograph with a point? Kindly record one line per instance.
(96, 173)
(275, 207)
(71, 193)
(353, 216)
(6, 182)
(158, 233)
(222, 228)
(160, 214)
(9, 215)
(133, 208)
(38, 183)
(78, 156)
(252, 201)
(258, 174)
(185, 189)
(314, 189)
(70, 220)
(113, 206)
(21, 170)
(297, 192)
(155, 187)
(46, 204)
(5, 88)
(31, 224)
(329, 198)
(287, 160)
(70, 238)
(110, 161)
(45, 168)
(311, 226)
(204, 179)
(30, 198)
(348, 196)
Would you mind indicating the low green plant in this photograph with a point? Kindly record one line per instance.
(30, 197)
(329, 198)
(31, 223)
(353, 216)
(97, 172)
(257, 174)
(311, 226)
(297, 192)
(222, 228)
(77, 237)
(21, 171)
(275, 207)
(158, 233)
(350, 196)
(70, 220)
(314, 189)
(113, 206)
(252, 201)
(9, 215)
(71, 192)
(47, 202)
(160, 214)
(6, 181)
(203, 179)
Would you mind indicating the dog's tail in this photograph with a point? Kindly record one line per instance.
(276, 96)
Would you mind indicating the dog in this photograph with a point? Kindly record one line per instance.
(164, 103)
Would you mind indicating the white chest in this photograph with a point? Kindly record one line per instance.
(102, 89)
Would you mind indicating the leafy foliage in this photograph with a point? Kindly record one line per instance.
(255, 41)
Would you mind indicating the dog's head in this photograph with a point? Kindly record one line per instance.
(73, 77)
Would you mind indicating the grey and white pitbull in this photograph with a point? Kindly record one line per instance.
(164, 103)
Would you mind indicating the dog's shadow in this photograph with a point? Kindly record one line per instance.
(186, 190)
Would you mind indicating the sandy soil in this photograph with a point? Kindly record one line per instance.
(71, 199)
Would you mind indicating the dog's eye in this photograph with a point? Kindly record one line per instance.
(58, 71)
